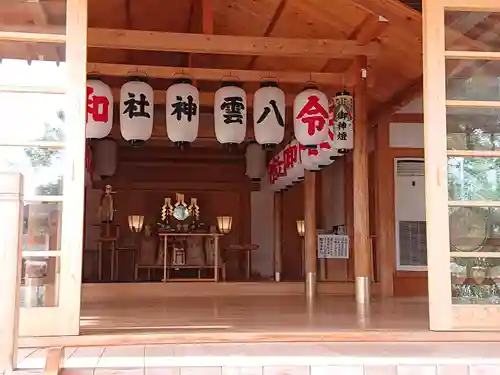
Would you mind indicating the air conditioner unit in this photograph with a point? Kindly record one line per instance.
(411, 240)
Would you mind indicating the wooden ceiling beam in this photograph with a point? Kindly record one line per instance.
(206, 98)
(40, 18)
(205, 22)
(32, 34)
(370, 29)
(270, 28)
(202, 74)
(226, 44)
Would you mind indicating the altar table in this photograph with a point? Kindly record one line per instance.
(215, 266)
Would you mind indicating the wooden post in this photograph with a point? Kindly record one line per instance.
(385, 225)
(278, 219)
(310, 233)
(11, 203)
(362, 248)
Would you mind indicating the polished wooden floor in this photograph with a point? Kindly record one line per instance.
(252, 314)
(225, 319)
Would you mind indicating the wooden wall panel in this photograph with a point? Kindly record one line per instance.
(333, 213)
(410, 284)
(293, 210)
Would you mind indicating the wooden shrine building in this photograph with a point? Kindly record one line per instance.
(251, 167)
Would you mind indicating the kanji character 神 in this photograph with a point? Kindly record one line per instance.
(187, 108)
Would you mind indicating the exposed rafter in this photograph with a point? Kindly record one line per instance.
(207, 16)
(225, 44)
(397, 13)
(367, 31)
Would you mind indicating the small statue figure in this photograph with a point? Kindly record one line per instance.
(106, 209)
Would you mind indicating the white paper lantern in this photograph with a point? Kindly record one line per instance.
(255, 161)
(343, 111)
(293, 163)
(269, 114)
(310, 158)
(99, 110)
(286, 178)
(310, 117)
(230, 114)
(136, 111)
(183, 112)
(104, 157)
(327, 151)
(275, 172)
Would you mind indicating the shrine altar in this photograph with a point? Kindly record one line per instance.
(170, 263)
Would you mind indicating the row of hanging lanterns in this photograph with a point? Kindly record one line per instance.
(287, 166)
(311, 110)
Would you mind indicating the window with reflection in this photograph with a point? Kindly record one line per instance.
(474, 179)
(475, 279)
(473, 129)
(42, 167)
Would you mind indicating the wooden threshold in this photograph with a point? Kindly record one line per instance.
(142, 290)
(217, 336)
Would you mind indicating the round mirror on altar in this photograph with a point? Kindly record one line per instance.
(181, 213)
(179, 217)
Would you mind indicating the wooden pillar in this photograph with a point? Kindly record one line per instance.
(278, 219)
(362, 248)
(310, 233)
(385, 209)
(10, 266)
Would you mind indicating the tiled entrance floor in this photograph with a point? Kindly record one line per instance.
(276, 359)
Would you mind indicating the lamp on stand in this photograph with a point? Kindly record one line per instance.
(224, 224)
(301, 231)
(135, 223)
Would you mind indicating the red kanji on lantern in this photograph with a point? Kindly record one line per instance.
(310, 150)
(313, 114)
(290, 156)
(97, 106)
(275, 169)
(327, 145)
(271, 172)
